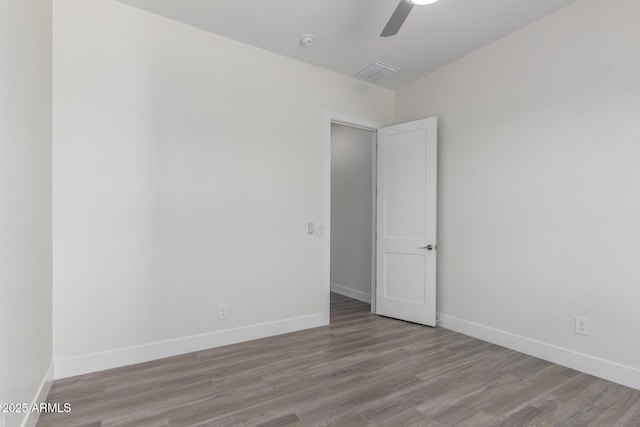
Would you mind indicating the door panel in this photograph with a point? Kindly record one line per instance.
(404, 277)
(406, 238)
(405, 153)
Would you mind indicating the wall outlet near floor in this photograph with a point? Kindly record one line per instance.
(582, 326)
(223, 311)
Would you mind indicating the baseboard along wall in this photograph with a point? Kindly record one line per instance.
(31, 418)
(95, 362)
(602, 368)
(351, 293)
(64, 368)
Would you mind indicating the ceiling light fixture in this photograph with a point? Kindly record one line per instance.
(422, 2)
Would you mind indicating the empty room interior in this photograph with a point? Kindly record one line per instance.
(319, 213)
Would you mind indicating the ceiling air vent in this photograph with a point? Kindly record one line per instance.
(376, 71)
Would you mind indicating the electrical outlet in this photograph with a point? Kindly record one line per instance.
(582, 326)
(223, 311)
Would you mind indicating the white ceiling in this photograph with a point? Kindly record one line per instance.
(347, 31)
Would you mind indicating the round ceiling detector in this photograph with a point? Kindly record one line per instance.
(307, 40)
(422, 2)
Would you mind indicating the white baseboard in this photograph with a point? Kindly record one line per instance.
(612, 371)
(144, 353)
(41, 396)
(351, 293)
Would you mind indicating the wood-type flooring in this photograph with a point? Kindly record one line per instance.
(361, 370)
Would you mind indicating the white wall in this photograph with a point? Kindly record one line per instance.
(25, 200)
(539, 189)
(351, 211)
(186, 167)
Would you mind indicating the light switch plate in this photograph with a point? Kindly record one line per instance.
(582, 326)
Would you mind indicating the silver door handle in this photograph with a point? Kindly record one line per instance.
(428, 247)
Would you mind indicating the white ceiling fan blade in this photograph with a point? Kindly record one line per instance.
(397, 19)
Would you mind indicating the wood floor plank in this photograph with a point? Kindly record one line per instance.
(408, 418)
(362, 370)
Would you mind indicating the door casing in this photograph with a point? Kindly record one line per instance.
(326, 279)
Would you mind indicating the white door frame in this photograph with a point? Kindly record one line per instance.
(337, 118)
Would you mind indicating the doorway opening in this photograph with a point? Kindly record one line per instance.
(402, 250)
(353, 215)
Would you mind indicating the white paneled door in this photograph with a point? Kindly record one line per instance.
(406, 216)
